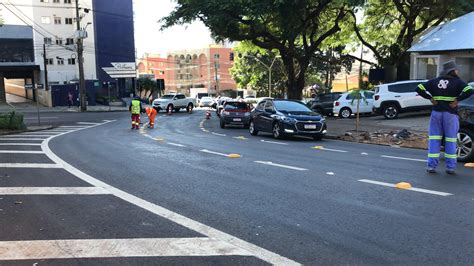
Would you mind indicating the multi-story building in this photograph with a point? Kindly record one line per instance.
(110, 38)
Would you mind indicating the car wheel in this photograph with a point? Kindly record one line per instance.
(391, 111)
(169, 109)
(222, 124)
(252, 129)
(345, 112)
(276, 131)
(190, 107)
(465, 150)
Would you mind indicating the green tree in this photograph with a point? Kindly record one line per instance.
(294, 28)
(146, 85)
(389, 27)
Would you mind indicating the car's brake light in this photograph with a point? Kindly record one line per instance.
(377, 97)
(337, 103)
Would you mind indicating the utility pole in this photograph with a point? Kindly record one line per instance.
(45, 65)
(217, 79)
(80, 57)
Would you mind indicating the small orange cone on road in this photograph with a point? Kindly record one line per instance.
(234, 155)
(403, 185)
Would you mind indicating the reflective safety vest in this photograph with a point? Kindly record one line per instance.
(136, 107)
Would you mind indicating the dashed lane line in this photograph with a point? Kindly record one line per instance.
(273, 142)
(30, 165)
(176, 144)
(218, 134)
(403, 158)
(282, 166)
(215, 153)
(433, 192)
(109, 248)
(214, 234)
(21, 152)
(53, 191)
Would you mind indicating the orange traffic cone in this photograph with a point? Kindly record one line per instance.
(208, 114)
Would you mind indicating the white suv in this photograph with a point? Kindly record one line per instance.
(392, 99)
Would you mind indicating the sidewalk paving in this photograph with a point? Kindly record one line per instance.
(32, 108)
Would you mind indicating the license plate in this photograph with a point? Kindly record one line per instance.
(309, 126)
(237, 120)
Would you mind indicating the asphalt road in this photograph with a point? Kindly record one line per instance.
(310, 202)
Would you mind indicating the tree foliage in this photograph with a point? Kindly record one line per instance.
(147, 85)
(294, 28)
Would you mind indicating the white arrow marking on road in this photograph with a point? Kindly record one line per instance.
(444, 194)
(403, 158)
(282, 166)
(29, 165)
(176, 144)
(274, 142)
(215, 153)
(23, 152)
(218, 134)
(116, 248)
(53, 191)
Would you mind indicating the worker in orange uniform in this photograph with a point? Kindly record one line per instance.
(151, 112)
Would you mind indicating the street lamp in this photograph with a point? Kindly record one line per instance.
(269, 71)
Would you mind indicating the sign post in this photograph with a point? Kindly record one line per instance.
(32, 87)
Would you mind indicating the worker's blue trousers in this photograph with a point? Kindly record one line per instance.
(443, 124)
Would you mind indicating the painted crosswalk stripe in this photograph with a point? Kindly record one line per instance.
(439, 193)
(29, 165)
(109, 248)
(22, 152)
(20, 139)
(29, 136)
(403, 158)
(53, 191)
(282, 166)
(20, 144)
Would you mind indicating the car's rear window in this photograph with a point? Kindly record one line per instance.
(236, 106)
(403, 88)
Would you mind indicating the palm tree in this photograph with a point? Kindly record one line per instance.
(147, 85)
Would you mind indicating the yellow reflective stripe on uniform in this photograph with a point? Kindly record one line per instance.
(451, 140)
(450, 156)
(435, 137)
(444, 98)
(433, 155)
(421, 87)
(467, 88)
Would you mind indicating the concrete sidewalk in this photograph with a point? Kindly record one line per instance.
(32, 108)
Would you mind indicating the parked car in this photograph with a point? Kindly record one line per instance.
(220, 104)
(324, 103)
(206, 102)
(466, 133)
(394, 98)
(346, 105)
(250, 99)
(170, 102)
(286, 117)
(235, 113)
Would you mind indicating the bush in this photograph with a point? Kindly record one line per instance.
(12, 120)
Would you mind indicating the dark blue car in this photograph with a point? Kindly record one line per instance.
(286, 118)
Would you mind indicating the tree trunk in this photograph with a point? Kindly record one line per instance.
(296, 81)
(3, 97)
(357, 115)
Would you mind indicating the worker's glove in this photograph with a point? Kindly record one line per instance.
(454, 104)
(433, 101)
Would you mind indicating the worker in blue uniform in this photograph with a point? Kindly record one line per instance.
(444, 93)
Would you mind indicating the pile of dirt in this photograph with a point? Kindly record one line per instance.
(402, 138)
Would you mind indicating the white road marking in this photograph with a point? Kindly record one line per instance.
(110, 248)
(176, 144)
(87, 123)
(19, 139)
(53, 191)
(29, 165)
(282, 166)
(22, 152)
(20, 144)
(364, 153)
(444, 194)
(403, 158)
(68, 127)
(274, 142)
(215, 153)
(218, 134)
(326, 149)
(32, 136)
(208, 231)
(329, 173)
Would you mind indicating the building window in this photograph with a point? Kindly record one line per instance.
(69, 41)
(48, 41)
(46, 20)
(216, 56)
(67, 1)
(57, 20)
(59, 41)
(55, 1)
(60, 61)
(44, 1)
(68, 21)
(49, 61)
(426, 67)
(71, 61)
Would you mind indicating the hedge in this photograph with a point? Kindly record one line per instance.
(12, 120)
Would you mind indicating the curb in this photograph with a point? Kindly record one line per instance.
(26, 130)
(335, 137)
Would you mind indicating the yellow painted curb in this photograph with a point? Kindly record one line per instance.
(234, 155)
(403, 185)
(469, 165)
(318, 147)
